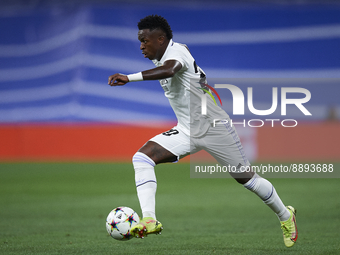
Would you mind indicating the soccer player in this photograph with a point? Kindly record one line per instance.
(184, 84)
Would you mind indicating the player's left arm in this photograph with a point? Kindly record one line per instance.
(167, 70)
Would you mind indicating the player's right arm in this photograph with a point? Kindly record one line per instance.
(118, 79)
(167, 70)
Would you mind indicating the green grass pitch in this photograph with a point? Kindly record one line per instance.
(60, 208)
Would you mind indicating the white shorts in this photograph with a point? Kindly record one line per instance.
(175, 141)
(222, 142)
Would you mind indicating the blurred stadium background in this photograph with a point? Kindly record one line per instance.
(64, 132)
(56, 56)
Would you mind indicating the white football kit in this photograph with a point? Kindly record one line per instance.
(194, 130)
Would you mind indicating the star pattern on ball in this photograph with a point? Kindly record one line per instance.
(127, 235)
(131, 219)
(118, 209)
(114, 225)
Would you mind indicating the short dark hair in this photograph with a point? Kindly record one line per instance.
(153, 22)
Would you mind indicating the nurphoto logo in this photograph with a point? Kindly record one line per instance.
(239, 102)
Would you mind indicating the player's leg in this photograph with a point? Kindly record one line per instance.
(224, 145)
(266, 191)
(158, 153)
(144, 162)
(166, 147)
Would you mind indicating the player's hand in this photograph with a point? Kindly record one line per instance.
(118, 79)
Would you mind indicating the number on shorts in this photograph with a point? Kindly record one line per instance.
(171, 132)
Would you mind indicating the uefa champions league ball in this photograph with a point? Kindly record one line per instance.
(120, 221)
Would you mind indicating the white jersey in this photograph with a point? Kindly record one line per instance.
(184, 92)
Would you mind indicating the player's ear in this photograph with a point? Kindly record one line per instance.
(161, 39)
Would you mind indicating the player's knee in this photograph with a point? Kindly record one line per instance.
(243, 177)
(140, 159)
(242, 180)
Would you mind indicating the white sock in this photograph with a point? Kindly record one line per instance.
(146, 183)
(266, 191)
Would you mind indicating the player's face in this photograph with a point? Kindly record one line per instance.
(150, 43)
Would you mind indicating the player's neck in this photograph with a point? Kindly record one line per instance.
(162, 49)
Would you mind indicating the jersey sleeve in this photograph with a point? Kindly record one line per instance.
(179, 55)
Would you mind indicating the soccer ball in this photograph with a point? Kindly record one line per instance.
(119, 222)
